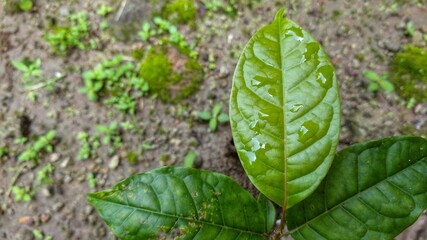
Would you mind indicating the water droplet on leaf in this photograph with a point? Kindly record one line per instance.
(296, 107)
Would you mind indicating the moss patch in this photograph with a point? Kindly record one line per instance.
(409, 73)
(172, 82)
(180, 11)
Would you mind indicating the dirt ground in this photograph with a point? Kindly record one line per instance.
(358, 35)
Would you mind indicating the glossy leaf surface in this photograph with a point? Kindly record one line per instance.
(189, 203)
(285, 111)
(373, 190)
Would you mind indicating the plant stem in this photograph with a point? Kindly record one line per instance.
(279, 230)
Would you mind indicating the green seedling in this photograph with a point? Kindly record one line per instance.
(32, 76)
(214, 117)
(190, 159)
(104, 10)
(43, 175)
(111, 136)
(88, 145)
(73, 34)
(4, 151)
(40, 235)
(378, 82)
(42, 144)
(91, 180)
(26, 5)
(117, 82)
(31, 69)
(22, 194)
(410, 30)
(285, 121)
(163, 26)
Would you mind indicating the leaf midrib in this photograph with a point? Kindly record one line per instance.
(356, 196)
(180, 217)
(285, 135)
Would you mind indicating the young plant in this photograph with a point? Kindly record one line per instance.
(88, 145)
(43, 144)
(111, 136)
(285, 119)
(72, 34)
(214, 117)
(22, 194)
(117, 81)
(31, 69)
(378, 82)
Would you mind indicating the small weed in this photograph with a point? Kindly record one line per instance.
(43, 175)
(31, 69)
(189, 159)
(4, 151)
(22, 194)
(40, 235)
(163, 26)
(180, 11)
(91, 180)
(43, 144)
(214, 117)
(73, 34)
(26, 5)
(111, 136)
(117, 81)
(378, 82)
(410, 30)
(104, 10)
(32, 76)
(88, 145)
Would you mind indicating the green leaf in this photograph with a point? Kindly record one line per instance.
(371, 75)
(222, 118)
(205, 115)
(185, 202)
(213, 124)
(26, 5)
(189, 159)
(285, 111)
(20, 66)
(387, 86)
(374, 190)
(268, 210)
(216, 109)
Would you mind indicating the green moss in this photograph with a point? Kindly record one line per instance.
(409, 73)
(180, 11)
(175, 82)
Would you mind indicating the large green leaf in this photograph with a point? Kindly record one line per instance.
(374, 190)
(285, 111)
(184, 202)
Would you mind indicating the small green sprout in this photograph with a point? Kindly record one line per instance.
(189, 159)
(91, 180)
(26, 5)
(111, 136)
(69, 36)
(31, 69)
(376, 82)
(88, 145)
(43, 143)
(214, 117)
(43, 177)
(104, 10)
(410, 30)
(22, 194)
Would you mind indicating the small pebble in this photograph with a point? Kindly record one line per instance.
(114, 162)
(54, 157)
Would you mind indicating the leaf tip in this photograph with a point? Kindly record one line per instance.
(281, 13)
